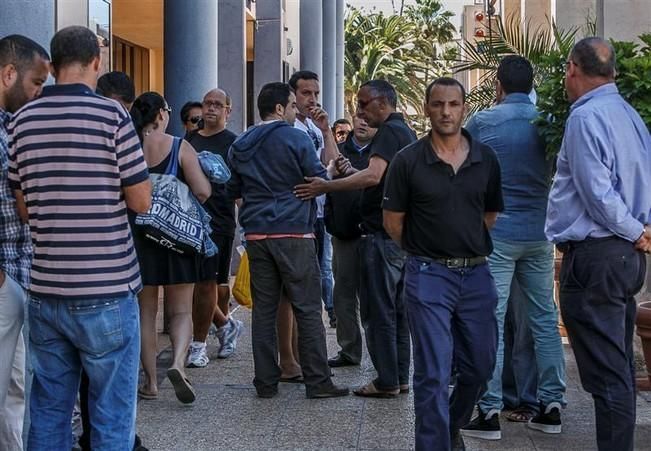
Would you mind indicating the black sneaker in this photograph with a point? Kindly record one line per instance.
(456, 442)
(327, 392)
(548, 420)
(484, 426)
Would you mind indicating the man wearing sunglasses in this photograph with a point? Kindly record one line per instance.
(215, 271)
(381, 307)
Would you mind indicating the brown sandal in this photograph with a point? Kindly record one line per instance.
(371, 391)
(521, 415)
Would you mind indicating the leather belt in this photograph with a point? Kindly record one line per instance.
(459, 262)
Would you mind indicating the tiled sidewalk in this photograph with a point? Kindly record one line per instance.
(228, 416)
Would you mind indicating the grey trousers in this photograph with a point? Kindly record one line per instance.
(346, 268)
(287, 264)
(12, 365)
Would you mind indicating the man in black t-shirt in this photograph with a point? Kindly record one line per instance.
(342, 222)
(442, 195)
(381, 307)
(212, 292)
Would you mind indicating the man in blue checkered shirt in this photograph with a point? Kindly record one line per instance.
(24, 67)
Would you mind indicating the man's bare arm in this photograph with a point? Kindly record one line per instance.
(393, 222)
(138, 196)
(371, 176)
(490, 217)
(21, 207)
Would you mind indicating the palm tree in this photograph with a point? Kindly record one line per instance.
(537, 44)
(404, 50)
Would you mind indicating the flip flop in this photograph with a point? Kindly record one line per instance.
(371, 391)
(142, 394)
(521, 415)
(298, 379)
(182, 386)
(404, 389)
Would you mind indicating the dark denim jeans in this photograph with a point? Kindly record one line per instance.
(288, 264)
(103, 337)
(382, 310)
(451, 313)
(599, 279)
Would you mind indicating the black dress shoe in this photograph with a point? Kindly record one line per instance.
(328, 392)
(340, 360)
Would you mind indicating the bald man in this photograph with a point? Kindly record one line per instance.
(598, 215)
(212, 293)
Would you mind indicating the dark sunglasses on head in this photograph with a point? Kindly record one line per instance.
(194, 120)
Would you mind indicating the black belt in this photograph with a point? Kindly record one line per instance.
(569, 245)
(456, 262)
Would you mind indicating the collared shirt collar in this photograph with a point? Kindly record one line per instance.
(607, 89)
(432, 158)
(66, 89)
(516, 97)
(395, 115)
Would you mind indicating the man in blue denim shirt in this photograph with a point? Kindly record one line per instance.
(598, 209)
(520, 248)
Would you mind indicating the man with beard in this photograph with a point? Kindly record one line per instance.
(23, 71)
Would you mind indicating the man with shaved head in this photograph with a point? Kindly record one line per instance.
(212, 293)
(598, 215)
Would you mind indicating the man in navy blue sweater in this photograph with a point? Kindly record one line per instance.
(266, 162)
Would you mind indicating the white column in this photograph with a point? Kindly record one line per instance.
(312, 35)
(340, 76)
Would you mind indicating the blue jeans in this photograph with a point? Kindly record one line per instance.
(324, 254)
(532, 264)
(103, 337)
(520, 372)
(451, 314)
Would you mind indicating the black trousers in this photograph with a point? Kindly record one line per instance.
(287, 264)
(382, 309)
(599, 278)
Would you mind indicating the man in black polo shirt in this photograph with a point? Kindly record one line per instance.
(381, 306)
(442, 195)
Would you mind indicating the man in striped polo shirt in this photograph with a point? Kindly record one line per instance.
(76, 164)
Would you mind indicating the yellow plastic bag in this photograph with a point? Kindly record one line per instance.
(242, 285)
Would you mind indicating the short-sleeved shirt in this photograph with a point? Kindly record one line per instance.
(316, 136)
(444, 211)
(71, 153)
(219, 206)
(392, 135)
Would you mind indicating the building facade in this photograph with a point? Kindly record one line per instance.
(184, 48)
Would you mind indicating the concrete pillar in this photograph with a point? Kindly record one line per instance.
(329, 69)
(232, 59)
(268, 64)
(190, 43)
(32, 18)
(340, 76)
(312, 35)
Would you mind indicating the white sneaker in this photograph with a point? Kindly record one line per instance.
(197, 356)
(228, 335)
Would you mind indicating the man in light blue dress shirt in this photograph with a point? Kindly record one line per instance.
(598, 207)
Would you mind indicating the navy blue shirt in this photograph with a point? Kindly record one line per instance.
(526, 173)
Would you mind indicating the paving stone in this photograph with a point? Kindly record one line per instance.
(228, 415)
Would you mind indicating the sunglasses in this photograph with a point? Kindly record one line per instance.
(194, 120)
